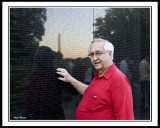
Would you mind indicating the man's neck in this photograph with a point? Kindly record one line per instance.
(101, 73)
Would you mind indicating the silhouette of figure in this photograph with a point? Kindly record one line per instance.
(78, 73)
(124, 67)
(43, 94)
(145, 82)
(132, 70)
(89, 72)
(88, 76)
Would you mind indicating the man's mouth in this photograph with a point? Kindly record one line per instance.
(96, 63)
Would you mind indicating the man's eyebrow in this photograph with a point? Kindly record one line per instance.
(97, 51)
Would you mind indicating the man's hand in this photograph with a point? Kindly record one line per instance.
(66, 77)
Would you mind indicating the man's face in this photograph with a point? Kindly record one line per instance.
(99, 57)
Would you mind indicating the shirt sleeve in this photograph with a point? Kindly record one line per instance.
(122, 99)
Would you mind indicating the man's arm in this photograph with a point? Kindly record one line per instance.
(66, 77)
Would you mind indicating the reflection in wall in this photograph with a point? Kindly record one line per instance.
(68, 33)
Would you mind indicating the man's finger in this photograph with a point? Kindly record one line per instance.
(60, 69)
(60, 78)
(60, 73)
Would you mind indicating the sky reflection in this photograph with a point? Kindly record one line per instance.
(75, 26)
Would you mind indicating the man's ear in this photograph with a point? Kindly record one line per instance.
(110, 53)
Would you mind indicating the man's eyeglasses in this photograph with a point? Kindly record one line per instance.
(97, 54)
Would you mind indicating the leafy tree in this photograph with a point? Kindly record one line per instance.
(26, 30)
(126, 28)
(145, 32)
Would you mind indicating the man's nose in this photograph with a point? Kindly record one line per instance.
(95, 57)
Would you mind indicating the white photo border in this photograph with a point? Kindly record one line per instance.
(5, 64)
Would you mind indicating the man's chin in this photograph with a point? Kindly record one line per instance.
(97, 68)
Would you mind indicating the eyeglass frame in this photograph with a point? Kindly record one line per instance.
(97, 54)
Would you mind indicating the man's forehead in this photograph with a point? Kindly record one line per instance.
(97, 45)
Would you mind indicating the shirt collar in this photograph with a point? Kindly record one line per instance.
(108, 73)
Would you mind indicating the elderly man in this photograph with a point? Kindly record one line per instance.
(109, 96)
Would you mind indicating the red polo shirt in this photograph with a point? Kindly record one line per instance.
(107, 98)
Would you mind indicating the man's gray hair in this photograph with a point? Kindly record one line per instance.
(108, 46)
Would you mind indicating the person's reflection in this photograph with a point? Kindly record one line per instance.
(124, 67)
(145, 82)
(78, 73)
(43, 94)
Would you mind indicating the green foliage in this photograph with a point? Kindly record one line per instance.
(26, 30)
(125, 28)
